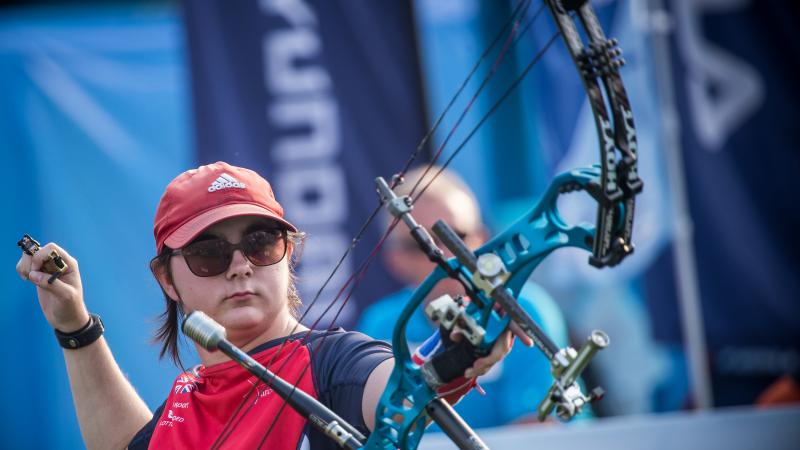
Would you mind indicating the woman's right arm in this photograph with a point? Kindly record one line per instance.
(110, 412)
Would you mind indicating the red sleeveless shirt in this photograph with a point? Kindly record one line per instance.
(203, 400)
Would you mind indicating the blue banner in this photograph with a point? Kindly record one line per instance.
(735, 68)
(320, 97)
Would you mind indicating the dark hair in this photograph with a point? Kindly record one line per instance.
(170, 320)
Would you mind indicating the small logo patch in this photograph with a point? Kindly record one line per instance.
(225, 181)
(185, 384)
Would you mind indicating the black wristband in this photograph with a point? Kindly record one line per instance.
(83, 337)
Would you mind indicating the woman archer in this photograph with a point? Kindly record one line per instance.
(224, 248)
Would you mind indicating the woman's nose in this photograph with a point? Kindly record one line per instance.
(240, 265)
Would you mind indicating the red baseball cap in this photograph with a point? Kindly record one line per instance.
(199, 198)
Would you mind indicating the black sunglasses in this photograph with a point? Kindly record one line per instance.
(210, 257)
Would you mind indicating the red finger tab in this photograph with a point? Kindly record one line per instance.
(453, 391)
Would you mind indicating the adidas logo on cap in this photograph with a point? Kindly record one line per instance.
(225, 181)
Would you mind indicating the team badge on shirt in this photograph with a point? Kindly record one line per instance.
(185, 384)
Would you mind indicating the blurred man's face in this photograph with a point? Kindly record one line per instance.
(404, 258)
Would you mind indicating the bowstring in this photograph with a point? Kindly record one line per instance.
(511, 41)
(491, 111)
(358, 275)
(471, 102)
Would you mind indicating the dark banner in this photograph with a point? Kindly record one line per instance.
(735, 67)
(320, 97)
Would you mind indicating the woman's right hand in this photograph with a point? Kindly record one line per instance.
(61, 301)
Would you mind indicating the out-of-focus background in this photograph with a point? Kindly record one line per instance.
(103, 103)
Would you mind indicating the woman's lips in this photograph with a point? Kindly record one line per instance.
(239, 295)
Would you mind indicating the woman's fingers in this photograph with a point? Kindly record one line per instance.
(24, 266)
(501, 348)
(520, 334)
(57, 287)
(62, 299)
(69, 276)
(39, 258)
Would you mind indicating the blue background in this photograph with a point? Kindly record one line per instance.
(101, 106)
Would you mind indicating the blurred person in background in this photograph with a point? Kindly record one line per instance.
(224, 248)
(513, 387)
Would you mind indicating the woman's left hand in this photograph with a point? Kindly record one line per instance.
(501, 348)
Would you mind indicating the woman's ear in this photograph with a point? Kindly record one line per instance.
(162, 275)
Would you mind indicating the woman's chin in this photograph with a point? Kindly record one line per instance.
(243, 319)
